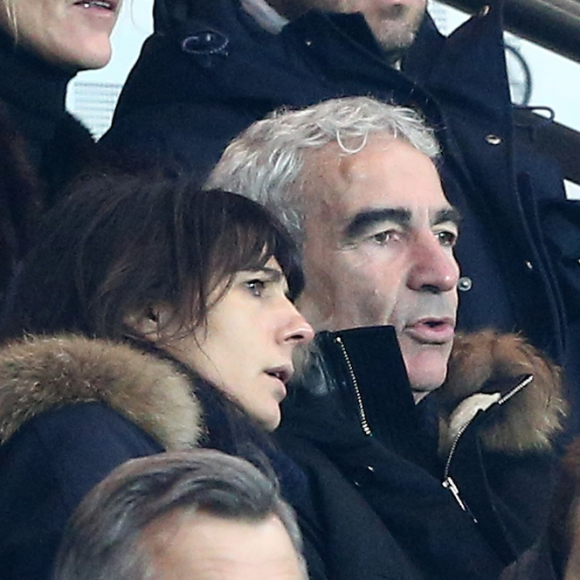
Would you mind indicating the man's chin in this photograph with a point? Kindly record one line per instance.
(426, 370)
(418, 396)
(396, 44)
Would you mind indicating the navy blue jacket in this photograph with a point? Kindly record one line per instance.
(73, 409)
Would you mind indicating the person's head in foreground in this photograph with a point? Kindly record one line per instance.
(67, 34)
(355, 181)
(193, 515)
(207, 277)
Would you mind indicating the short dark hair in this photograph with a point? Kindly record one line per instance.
(118, 245)
(104, 539)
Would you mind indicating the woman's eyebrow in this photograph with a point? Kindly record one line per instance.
(274, 274)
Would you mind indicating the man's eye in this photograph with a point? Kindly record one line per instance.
(256, 286)
(384, 237)
(447, 238)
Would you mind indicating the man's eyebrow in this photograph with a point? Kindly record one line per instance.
(364, 220)
(448, 214)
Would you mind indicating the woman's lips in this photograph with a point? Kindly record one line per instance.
(281, 375)
(104, 4)
(99, 6)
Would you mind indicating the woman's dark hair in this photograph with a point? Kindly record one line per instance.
(117, 246)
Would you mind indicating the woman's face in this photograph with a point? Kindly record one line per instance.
(246, 347)
(71, 35)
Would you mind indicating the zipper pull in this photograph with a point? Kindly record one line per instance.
(449, 484)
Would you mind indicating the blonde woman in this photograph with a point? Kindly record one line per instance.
(43, 44)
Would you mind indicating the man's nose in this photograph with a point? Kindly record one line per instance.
(434, 268)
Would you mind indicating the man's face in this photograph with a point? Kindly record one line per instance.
(205, 547)
(393, 22)
(379, 251)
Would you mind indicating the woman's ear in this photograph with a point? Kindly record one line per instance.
(151, 323)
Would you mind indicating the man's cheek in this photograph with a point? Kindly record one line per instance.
(375, 307)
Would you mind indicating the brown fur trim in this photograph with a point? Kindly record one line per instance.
(482, 360)
(38, 374)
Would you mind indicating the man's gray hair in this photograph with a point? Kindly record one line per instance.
(266, 161)
(106, 537)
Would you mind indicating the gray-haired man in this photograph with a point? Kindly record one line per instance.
(355, 180)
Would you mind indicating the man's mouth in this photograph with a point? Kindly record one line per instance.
(432, 330)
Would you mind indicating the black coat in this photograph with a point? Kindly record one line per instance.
(42, 147)
(210, 71)
(379, 481)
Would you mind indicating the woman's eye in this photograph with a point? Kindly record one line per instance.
(256, 286)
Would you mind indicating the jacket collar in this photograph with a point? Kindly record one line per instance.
(481, 362)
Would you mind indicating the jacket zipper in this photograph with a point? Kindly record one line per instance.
(448, 482)
(361, 410)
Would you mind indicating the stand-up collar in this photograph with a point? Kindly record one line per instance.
(34, 92)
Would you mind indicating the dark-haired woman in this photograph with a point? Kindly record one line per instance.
(158, 317)
(43, 44)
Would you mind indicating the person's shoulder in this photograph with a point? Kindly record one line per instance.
(72, 447)
(46, 469)
(181, 137)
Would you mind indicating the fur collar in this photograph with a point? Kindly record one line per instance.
(40, 373)
(488, 362)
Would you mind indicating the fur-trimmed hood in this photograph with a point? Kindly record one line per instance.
(41, 373)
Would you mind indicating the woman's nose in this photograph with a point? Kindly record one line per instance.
(298, 329)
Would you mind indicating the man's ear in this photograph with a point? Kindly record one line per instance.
(151, 323)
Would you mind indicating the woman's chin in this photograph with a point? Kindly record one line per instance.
(94, 56)
(83, 55)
